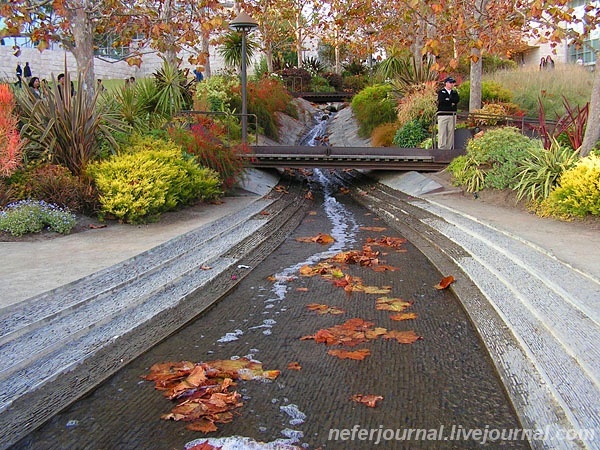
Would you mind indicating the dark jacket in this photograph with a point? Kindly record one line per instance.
(447, 102)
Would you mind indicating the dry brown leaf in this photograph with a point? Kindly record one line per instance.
(325, 309)
(204, 446)
(445, 282)
(205, 267)
(294, 366)
(391, 304)
(378, 229)
(369, 400)
(403, 337)
(357, 355)
(321, 238)
(403, 316)
(301, 289)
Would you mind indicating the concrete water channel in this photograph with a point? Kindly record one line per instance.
(441, 391)
(443, 382)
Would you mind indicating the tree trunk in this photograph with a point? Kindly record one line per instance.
(206, 50)
(475, 79)
(592, 130)
(83, 50)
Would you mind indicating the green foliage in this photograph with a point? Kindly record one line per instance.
(491, 64)
(172, 90)
(410, 135)
(204, 141)
(355, 83)
(383, 135)
(492, 160)
(320, 84)
(217, 93)
(150, 177)
(491, 92)
(32, 216)
(354, 67)
(578, 191)
(314, 66)
(541, 169)
(410, 74)
(373, 106)
(391, 66)
(65, 129)
(231, 49)
(419, 104)
(134, 104)
(334, 80)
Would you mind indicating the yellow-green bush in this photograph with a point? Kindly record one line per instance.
(578, 191)
(150, 177)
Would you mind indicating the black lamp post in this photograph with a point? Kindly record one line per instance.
(370, 32)
(244, 24)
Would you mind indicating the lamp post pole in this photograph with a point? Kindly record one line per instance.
(243, 23)
(370, 32)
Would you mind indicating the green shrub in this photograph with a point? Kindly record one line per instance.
(151, 177)
(541, 169)
(410, 135)
(373, 106)
(491, 92)
(320, 84)
(492, 160)
(32, 216)
(578, 191)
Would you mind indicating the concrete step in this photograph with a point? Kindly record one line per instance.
(538, 317)
(61, 344)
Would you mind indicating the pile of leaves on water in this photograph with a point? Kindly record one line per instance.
(202, 391)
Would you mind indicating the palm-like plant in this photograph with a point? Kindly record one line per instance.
(172, 90)
(409, 74)
(65, 129)
(231, 51)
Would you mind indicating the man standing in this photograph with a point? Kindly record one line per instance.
(447, 103)
(27, 72)
(19, 73)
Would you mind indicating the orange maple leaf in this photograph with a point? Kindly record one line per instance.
(403, 316)
(445, 282)
(294, 366)
(403, 337)
(358, 355)
(369, 400)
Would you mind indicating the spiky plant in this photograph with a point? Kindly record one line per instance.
(65, 129)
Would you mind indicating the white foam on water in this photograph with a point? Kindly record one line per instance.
(231, 336)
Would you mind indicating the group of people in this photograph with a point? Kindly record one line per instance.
(546, 63)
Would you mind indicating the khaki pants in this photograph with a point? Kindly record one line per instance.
(446, 125)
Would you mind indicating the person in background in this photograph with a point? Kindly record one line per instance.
(549, 63)
(27, 72)
(61, 85)
(447, 104)
(99, 86)
(19, 73)
(543, 63)
(198, 74)
(34, 85)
